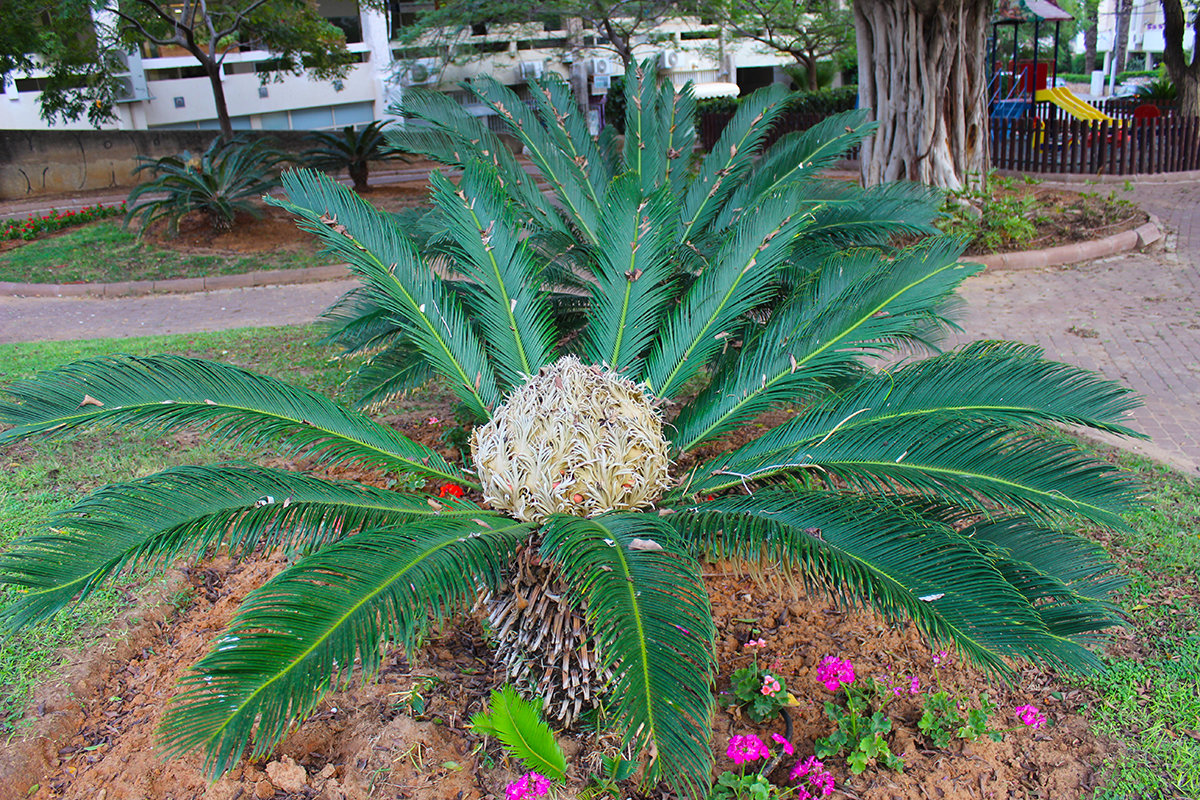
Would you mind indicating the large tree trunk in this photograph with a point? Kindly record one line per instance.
(1185, 75)
(921, 71)
(1121, 45)
(213, 69)
(1091, 26)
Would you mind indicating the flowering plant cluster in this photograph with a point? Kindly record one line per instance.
(810, 777)
(760, 692)
(527, 787)
(29, 229)
(862, 723)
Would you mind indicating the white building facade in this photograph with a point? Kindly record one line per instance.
(167, 91)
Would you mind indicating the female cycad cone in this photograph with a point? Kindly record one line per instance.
(574, 439)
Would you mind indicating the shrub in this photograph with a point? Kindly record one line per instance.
(226, 179)
(351, 149)
(35, 225)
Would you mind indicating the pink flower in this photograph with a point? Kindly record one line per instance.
(432, 421)
(528, 786)
(784, 743)
(812, 772)
(835, 673)
(770, 685)
(1029, 715)
(940, 657)
(746, 747)
(914, 685)
(756, 643)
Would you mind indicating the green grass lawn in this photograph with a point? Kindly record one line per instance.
(39, 479)
(74, 256)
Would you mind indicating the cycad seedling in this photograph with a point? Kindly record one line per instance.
(935, 490)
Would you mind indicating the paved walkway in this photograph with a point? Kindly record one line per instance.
(1134, 318)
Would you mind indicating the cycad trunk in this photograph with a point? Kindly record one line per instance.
(921, 71)
(543, 640)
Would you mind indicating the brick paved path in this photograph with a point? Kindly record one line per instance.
(1135, 318)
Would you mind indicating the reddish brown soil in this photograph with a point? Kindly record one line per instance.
(99, 735)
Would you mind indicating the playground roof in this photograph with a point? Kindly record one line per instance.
(1015, 11)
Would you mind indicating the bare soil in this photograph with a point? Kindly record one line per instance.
(91, 734)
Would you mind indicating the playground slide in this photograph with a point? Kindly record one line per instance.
(1069, 102)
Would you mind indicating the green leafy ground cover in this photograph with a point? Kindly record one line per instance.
(1149, 700)
(37, 481)
(71, 257)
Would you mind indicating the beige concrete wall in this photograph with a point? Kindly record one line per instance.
(36, 163)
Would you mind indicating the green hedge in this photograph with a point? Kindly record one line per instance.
(822, 101)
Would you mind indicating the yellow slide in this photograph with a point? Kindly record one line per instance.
(1069, 102)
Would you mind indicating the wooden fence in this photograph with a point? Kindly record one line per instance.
(712, 123)
(1124, 147)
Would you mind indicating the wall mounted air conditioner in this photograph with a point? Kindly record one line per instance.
(601, 66)
(531, 69)
(669, 60)
(421, 72)
(129, 75)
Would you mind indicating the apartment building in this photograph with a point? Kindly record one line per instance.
(165, 88)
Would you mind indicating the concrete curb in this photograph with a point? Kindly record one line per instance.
(1140, 237)
(274, 277)
(1144, 235)
(1074, 179)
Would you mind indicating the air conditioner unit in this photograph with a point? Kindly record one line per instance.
(669, 60)
(421, 72)
(531, 69)
(601, 66)
(129, 76)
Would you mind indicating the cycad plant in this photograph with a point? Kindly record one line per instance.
(227, 178)
(351, 149)
(936, 490)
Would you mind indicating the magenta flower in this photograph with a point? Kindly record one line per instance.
(941, 657)
(770, 685)
(914, 685)
(835, 673)
(744, 748)
(527, 787)
(1029, 715)
(813, 773)
(784, 743)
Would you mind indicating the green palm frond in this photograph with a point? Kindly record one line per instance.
(724, 168)
(681, 127)
(357, 324)
(561, 115)
(398, 279)
(388, 375)
(866, 552)
(518, 724)
(972, 463)
(649, 610)
(860, 303)
(445, 132)
(632, 269)
(302, 633)
(191, 511)
(510, 311)
(740, 277)
(646, 122)
(795, 160)
(847, 215)
(164, 393)
(565, 175)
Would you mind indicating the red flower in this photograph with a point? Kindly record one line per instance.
(450, 490)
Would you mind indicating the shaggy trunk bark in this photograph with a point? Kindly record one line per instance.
(1091, 28)
(1185, 75)
(921, 72)
(1121, 45)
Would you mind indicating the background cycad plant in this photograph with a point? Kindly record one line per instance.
(935, 489)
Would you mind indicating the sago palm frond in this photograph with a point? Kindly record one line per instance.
(163, 393)
(191, 511)
(650, 611)
(399, 280)
(865, 552)
(312, 626)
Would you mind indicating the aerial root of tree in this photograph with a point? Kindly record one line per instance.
(922, 70)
